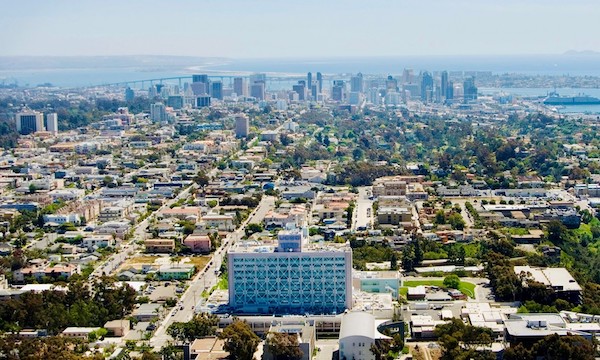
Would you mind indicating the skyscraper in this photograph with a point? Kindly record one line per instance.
(239, 86)
(426, 86)
(444, 85)
(320, 81)
(338, 90)
(129, 94)
(217, 90)
(391, 84)
(52, 123)
(301, 90)
(257, 90)
(202, 78)
(242, 126)
(469, 89)
(356, 83)
(29, 122)
(309, 80)
(200, 84)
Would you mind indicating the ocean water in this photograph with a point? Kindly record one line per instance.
(536, 92)
(95, 75)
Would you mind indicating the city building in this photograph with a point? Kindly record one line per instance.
(338, 90)
(129, 94)
(52, 123)
(300, 89)
(158, 112)
(175, 101)
(216, 90)
(357, 83)
(29, 122)
(304, 332)
(203, 101)
(242, 126)
(257, 90)
(291, 278)
(160, 245)
(426, 87)
(240, 88)
(558, 279)
(357, 334)
(469, 89)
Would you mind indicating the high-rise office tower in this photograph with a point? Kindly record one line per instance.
(242, 126)
(158, 112)
(338, 90)
(391, 84)
(469, 89)
(29, 122)
(200, 84)
(301, 90)
(320, 81)
(257, 90)
(356, 83)
(129, 94)
(309, 80)
(52, 123)
(314, 90)
(217, 90)
(240, 87)
(426, 86)
(450, 91)
(201, 78)
(444, 85)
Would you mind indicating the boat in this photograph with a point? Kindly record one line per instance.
(582, 99)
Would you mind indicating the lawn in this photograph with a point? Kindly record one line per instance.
(198, 261)
(143, 259)
(466, 288)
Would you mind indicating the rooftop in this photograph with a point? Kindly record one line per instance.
(262, 247)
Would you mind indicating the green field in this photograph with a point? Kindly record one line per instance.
(465, 287)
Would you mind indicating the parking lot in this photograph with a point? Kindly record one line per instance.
(159, 292)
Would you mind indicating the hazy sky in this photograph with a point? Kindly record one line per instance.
(297, 28)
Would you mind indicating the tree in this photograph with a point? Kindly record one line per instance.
(201, 179)
(563, 347)
(240, 341)
(253, 228)
(452, 281)
(284, 346)
(200, 326)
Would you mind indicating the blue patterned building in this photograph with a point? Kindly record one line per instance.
(287, 279)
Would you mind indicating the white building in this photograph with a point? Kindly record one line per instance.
(61, 219)
(52, 123)
(357, 334)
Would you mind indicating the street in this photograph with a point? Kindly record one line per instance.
(207, 277)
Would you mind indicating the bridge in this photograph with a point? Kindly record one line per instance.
(188, 78)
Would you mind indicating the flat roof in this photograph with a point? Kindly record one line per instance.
(257, 247)
(558, 278)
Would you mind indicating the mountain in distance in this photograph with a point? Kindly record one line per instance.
(164, 62)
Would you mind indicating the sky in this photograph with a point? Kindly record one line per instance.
(297, 28)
